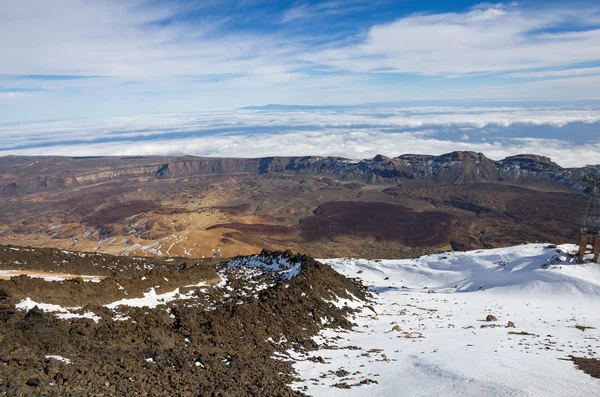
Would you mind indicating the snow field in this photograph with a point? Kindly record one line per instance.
(425, 335)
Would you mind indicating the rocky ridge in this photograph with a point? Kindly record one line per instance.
(208, 339)
(30, 174)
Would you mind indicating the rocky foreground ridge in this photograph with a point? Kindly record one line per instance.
(164, 327)
(30, 174)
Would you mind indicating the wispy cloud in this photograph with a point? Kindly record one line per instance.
(88, 58)
(590, 71)
(296, 12)
(138, 38)
(323, 9)
(486, 39)
(126, 38)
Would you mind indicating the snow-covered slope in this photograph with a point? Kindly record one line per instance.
(424, 336)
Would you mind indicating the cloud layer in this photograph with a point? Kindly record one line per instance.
(560, 133)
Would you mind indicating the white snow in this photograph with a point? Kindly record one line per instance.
(59, 358)
(59, 311)
(90, 315)
(200, 284)
(441, 349)
(28, 304)
(151, 299)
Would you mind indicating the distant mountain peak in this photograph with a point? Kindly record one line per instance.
(532, 158)
(381, 158)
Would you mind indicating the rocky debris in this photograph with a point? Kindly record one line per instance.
(7, 309)
(63, 261)
(583, 327)
(340, 373)
(182, 347)
(33, 382)
(491, 317)
(590, 366)
(368, 381)
(363, 382)
(163, 276)
(342, 385)
(490, 326)
(34, 316)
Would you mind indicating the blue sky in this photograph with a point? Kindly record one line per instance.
(88, 59)
(85, 58)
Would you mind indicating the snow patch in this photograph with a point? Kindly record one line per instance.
(28, 304)
(60, 312)
(90, 315)
(151, 299)
(59, 358)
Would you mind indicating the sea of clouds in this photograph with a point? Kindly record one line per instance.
(570, 136)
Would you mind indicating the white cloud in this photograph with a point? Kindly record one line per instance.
(14, 97)
(355, 144)
(169, 125)
(126, 39)
(558, 73)
(294, 13)
(204, 63)
(353, 133)
(486, 39)
(325, 8)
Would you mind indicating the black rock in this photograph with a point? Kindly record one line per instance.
(33, 382)
(35, 315)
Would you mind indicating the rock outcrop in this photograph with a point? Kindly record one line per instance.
(31, 174)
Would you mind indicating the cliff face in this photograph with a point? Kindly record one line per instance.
(186, 168)
(30, 174)
(529, 167)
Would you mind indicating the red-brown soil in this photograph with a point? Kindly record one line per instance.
(114, 208)
(256, 228)
(382, 221)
